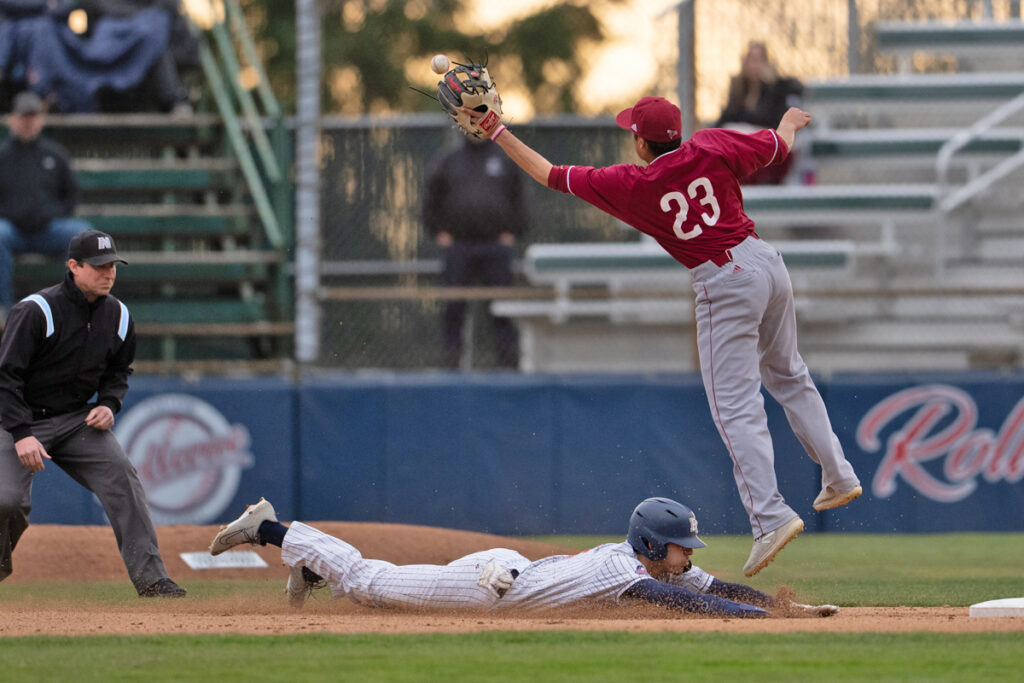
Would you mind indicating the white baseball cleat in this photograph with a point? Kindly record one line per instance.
(245, 529)
(830, 498)
(299, 587)
(768, 546)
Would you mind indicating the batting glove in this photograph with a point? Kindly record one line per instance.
(495, 578)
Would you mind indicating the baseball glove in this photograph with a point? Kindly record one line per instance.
(470, 86)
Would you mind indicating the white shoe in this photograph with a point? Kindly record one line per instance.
(245, 529)
(768, 546)
(299, 588)
(830, 498)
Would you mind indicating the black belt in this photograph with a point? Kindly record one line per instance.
(726, 256)
(43, 413)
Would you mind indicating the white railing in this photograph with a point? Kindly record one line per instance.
(952, 198)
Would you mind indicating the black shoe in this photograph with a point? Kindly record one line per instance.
(164, 588)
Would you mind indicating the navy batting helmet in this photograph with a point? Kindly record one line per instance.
(659, 521)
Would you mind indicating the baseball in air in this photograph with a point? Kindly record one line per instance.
(440, 64)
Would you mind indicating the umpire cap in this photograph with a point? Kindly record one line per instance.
(93, 247)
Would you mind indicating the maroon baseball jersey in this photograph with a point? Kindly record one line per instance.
(689, 200)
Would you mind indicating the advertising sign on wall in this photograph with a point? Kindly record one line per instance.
(538, 454)
(189, 457)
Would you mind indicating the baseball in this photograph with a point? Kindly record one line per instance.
(440, 64)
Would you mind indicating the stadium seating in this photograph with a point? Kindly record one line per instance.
(910, 100)
(971, 42)
(204, 287)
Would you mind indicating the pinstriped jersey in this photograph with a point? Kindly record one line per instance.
(688, 200)
(600, 574)
(694, 579)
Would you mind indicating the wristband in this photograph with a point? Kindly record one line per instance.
(498, 131)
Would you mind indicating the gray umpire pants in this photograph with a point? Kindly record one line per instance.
(94, 459)
(746, 336)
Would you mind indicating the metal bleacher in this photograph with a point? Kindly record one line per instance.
(905, 254)
(200, 207)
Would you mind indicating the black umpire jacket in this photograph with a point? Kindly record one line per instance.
(475, 193)
(36, 183)
(57, 356)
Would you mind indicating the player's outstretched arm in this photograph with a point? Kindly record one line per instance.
(793, 120)
(685, 600)
(524, 156)
(740, 593)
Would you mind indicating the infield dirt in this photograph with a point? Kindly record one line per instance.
(69, 554)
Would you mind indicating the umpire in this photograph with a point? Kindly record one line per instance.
(61, 347)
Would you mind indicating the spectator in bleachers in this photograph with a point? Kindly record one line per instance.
(126, 51)
(162, 88)
(758, 97)
(38, 193)
(475, 210)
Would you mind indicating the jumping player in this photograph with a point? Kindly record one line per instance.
(652, 565)
(687, 197)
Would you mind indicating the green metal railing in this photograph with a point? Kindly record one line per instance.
(236, 104)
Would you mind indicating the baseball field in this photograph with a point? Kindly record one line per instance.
(69, 613)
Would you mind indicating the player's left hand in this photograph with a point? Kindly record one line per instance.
(496, 578)
(100, 417)
(796, 117)
(471, 99)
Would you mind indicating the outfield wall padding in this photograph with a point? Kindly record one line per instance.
(513, 454)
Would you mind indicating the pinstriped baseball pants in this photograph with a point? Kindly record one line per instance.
(746, 336)
(377, 583)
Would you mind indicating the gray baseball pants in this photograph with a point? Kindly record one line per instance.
(94, 459)
(746, 336)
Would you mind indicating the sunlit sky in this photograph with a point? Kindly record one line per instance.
(640, 36)
(806, 40)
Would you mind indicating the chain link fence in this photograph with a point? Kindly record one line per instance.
(382, 305)
(381, 271)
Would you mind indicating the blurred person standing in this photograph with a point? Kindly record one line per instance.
(63, 346)
(38, 193)
(758, 97)
(475, 210)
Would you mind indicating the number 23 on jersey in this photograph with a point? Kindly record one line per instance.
(701, 190)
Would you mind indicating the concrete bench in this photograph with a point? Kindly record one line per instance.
(944, 99)
(909, 143)
(642, 283)
(883, 206)
(645, 263)
(984, 39)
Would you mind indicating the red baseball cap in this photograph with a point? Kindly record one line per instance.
(652, 118)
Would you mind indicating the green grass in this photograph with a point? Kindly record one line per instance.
(528, 656)
(846, 569)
